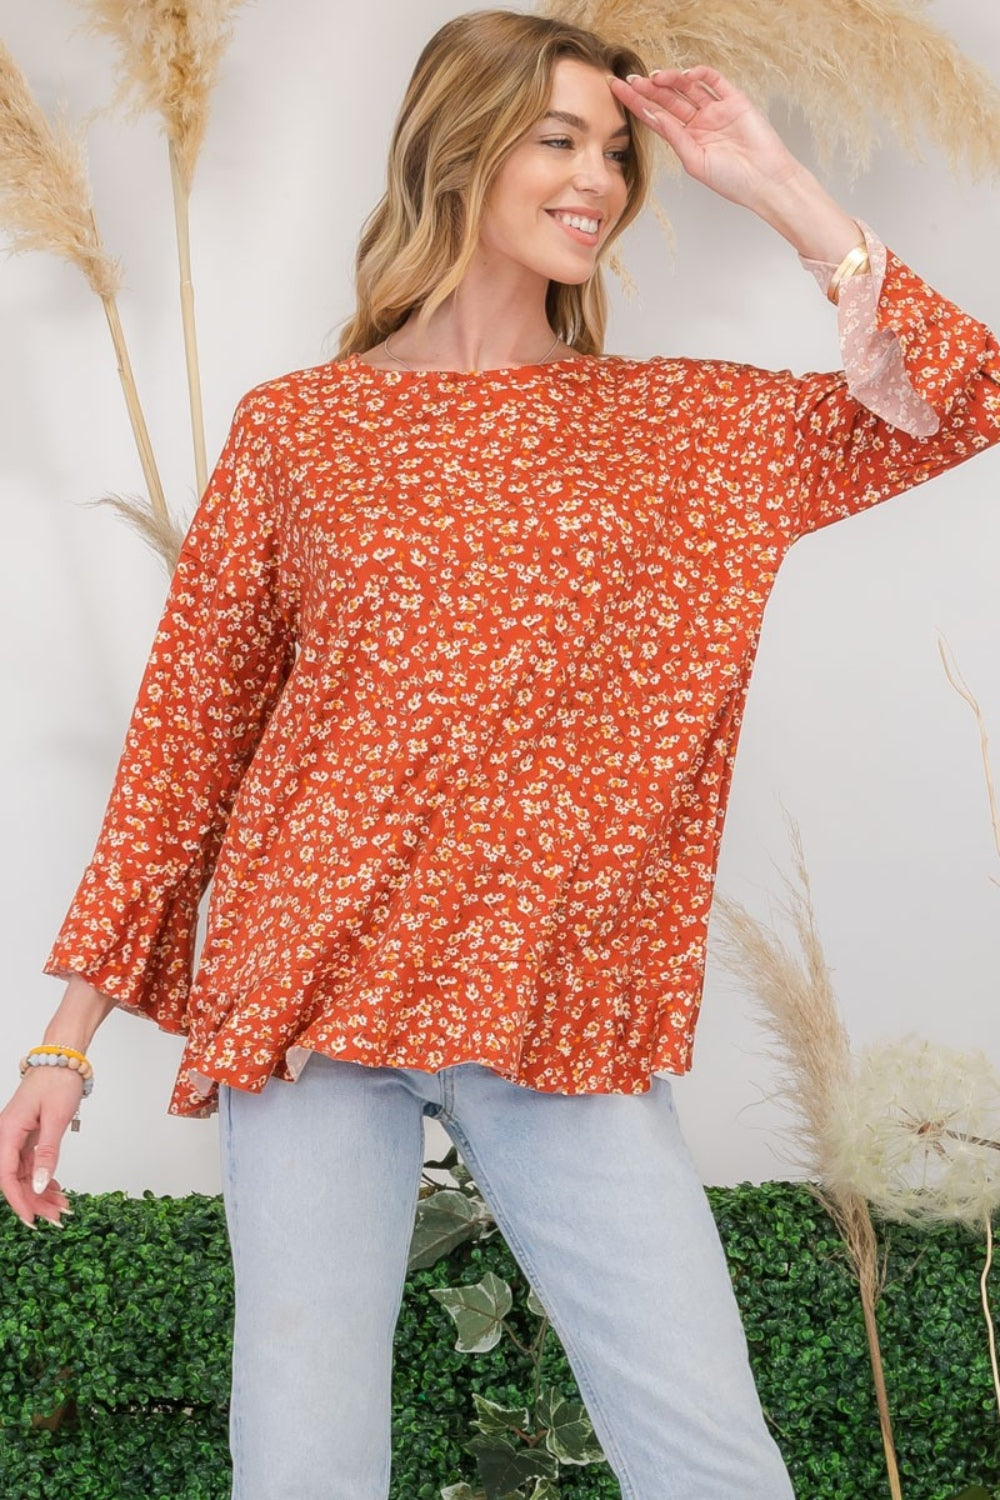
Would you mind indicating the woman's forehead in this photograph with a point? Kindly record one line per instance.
(580, 95)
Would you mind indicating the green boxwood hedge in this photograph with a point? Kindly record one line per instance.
(115, 1332)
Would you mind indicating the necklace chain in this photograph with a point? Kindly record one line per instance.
(400, 360)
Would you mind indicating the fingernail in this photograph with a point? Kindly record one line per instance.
(40, 1180)
(631, 77)
(30, 1222)
(650, 115)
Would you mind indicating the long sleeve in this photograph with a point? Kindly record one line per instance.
(919, 393)
(221, 654)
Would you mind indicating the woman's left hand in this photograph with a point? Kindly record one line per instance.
(720, 137)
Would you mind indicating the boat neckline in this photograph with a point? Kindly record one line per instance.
(568, 361)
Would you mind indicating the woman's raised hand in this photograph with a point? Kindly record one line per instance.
(720, 137)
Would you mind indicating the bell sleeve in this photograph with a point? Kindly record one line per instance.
(918, 394)
(221, 654)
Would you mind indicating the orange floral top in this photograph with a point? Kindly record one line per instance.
(447, 689)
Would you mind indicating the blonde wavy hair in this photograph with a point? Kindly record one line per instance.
(481, 81)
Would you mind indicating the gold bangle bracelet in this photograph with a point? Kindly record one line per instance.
(854, 261)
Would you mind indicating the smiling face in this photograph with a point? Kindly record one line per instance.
(556, 199)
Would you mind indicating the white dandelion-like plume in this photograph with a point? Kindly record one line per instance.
(916, 1131)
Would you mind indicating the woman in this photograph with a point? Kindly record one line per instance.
(446, 693)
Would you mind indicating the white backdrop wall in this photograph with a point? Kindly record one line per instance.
(850, 724)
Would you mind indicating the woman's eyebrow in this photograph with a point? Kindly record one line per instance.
(581, 124)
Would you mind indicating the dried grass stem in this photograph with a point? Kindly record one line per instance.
(808, 1039)
(961, 687)
(181, 222)
(135, 413)
(852, 1216)
(988, 1311)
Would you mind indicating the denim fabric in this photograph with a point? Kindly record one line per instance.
(598, 1200)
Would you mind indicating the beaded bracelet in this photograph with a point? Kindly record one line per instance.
(51, 1054)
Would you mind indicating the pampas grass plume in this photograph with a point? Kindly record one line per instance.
(809, 1042)
(169, 56)
(45, 201)
(169, 53)
(45, 204)
(843, 63)
(798, 1010)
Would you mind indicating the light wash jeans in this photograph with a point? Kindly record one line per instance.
(598, 1200)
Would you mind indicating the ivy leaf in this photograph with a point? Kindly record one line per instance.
(444, 1220)
(454, 1164)
(494, 1418)
(461, 1491)
(571, 1433)
(446, 1162)
(535, 1306)
(544, 1490)
(504, 1468)
(478, 1311)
